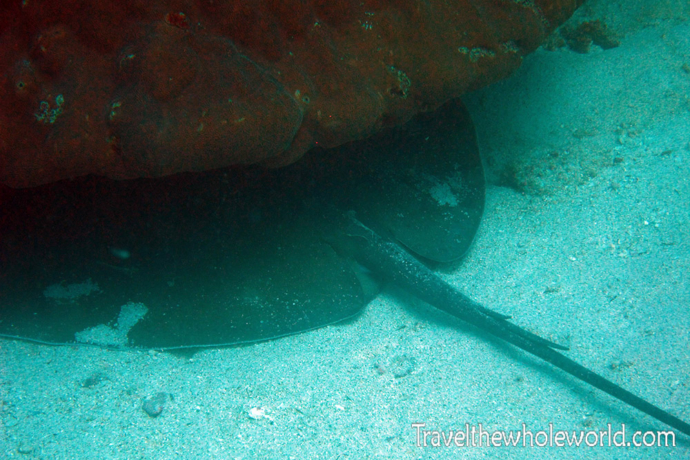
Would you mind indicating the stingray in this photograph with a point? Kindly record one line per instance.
(243, 255)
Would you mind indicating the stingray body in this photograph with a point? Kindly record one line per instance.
(244, 255)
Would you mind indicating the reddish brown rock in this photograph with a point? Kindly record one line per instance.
(146, 88)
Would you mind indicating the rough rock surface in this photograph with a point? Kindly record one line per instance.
(147, 88)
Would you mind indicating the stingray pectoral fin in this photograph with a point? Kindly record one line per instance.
(422, 184)
(271, 282)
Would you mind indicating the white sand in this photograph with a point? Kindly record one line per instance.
(596, 255)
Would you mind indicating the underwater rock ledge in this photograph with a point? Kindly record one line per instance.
(151, 88)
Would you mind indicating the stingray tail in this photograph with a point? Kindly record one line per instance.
(391, 262)
(571, 367)
(544, 349)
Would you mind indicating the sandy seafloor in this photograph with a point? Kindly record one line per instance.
(589, 246)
